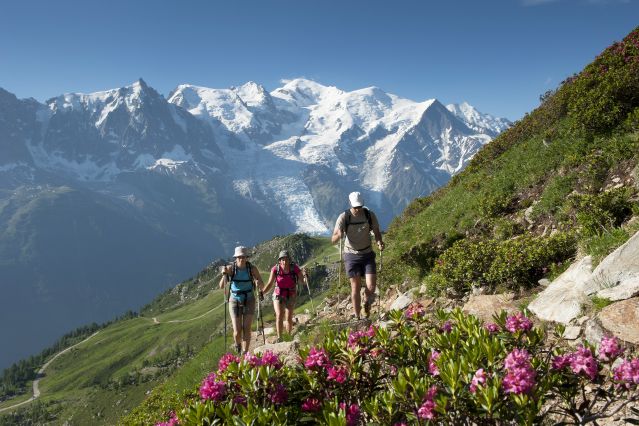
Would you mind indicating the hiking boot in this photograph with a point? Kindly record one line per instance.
(238, 349)
(367, 309)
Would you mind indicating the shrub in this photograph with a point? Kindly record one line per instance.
(514, 263)
(597, 214)
(607, 90)
(449, 369)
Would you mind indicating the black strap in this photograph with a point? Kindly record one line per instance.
(347, 220)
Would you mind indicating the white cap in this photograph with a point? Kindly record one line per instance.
(240, 251)
(356, 199)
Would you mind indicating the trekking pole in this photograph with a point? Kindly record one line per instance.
(379, 284)
(309, 292)
(226, 307)
(339, 273)
(259, 315)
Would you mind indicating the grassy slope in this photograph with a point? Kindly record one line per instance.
(580, 137)
(106, 377)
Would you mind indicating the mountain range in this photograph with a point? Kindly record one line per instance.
(109, 197)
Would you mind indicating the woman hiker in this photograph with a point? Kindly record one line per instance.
(244, 278)
(285, 276)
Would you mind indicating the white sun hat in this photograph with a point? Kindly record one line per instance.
(356, 199)
(241, 251)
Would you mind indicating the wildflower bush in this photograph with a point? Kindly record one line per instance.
(447, 369)
(517, 262)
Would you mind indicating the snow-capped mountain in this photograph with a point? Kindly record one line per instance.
(365, 140)
(106, 198)
(481, 123)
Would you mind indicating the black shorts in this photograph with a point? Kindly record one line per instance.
(358, 265)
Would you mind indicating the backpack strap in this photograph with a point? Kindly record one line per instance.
(291, 272)
(348, 216)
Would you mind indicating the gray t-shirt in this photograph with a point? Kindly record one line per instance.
(358, 235)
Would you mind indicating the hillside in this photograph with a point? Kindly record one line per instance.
(561, 180)
(174, 340)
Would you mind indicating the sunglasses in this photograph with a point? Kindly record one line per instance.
(357, 208)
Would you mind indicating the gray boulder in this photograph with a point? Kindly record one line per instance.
(617, 276)
(563, 299)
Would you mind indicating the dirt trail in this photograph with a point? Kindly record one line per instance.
(36, 382)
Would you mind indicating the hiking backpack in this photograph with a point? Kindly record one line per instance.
(348, 216)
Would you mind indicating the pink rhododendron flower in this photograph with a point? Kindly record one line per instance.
(427, 409)
(609, 349)
(447, 327)
(400, 424)
(173, 420)
(560, 362)
(252, 360)
(269, 358)
(337, 374)
(478, 379)
(518, 322)
(317, 358)
(582, 361)
(240, 400)
(518, 358)
(520, 376)
(355, 339)
(211, 389)
(414, 310)
(226, 360)
(627, 372)
(353, 413)
(279, 394)
(377, 352)
(311, 405)
(432, 367)
(492, 327)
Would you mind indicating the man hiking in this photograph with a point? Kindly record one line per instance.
(285, 276)
(356, 224)
(243, 278)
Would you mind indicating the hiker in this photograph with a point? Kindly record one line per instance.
(356, 224)
(284, 276)
(243, 278)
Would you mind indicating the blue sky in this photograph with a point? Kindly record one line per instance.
(498, 55)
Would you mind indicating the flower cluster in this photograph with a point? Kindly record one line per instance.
(311, 405)
(212, 389)
(447, 327)
(270, 359)
(627, 372)
(610, 349)
(317, 359)
(173, 420)
(478, 379)
(357, 338)
(427, 409)
(353, 413)
(491, 327)
(278, 394)
(518, 322)
(432, 367)
(520, 375)
(414, 310)
(337, 374)
(580, 361)
(226, 360)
